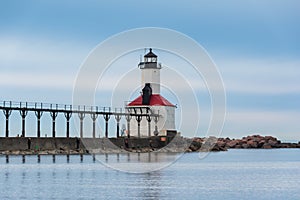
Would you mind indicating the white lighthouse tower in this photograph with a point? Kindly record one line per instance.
(152, 101)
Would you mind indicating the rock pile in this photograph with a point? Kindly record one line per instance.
(249, 142)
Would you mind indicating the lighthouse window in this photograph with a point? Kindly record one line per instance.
(153, 59)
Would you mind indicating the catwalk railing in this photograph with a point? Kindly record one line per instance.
(81, 110)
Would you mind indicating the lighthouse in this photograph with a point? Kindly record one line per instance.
(151, 101)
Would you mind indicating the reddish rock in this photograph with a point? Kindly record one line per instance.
(218, 148)
(232, 144)
(240, 142)
(243, 141)
(256, 139)
(261, 143)
(273, 143)
(270, 138)
(221, 144)
(267, 146)
(252, 144)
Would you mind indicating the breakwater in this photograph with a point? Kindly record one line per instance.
(249, 142)
(40, 146)
(27, 145)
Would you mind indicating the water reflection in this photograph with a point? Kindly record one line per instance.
(128, 157)
(38, 177)
(57, 178)
(106, 157)
(118, 157)
(137, 162)
(6, 176)
(151, 185)
(53, 158)
(94, 158)
(23, 177)
(127, 162)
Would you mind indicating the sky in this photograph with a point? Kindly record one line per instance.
(255, 46)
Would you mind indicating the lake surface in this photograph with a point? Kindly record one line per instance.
(235, 174)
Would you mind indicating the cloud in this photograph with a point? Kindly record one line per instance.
(260, 76)
(40, 54)
(36, 80)
(39, 62)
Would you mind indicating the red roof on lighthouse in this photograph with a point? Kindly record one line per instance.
(155, 100)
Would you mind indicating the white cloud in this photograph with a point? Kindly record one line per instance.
(36, 80)
(57, 60)
(40, 54)
(261, 76)
(39, 63)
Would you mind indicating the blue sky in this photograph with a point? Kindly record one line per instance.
(254, 44)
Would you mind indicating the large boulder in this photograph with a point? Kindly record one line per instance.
(252, 144)
(195, 145)
(261, 143)
(267, 146)
(274, 143)
(221, 143)
(231, 144)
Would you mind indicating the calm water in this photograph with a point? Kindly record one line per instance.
(236, 174)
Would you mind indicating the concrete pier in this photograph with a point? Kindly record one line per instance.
(78, 145)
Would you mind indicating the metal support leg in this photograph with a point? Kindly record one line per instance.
(106, 117)
(149, 125)
(6, 127)
(81, 117)
(94, 117)
(118, 118)
(23, 113)
(53, 115)
(68, 128)
(7, 113)
(68, 117)
(94, 128)
(38, 115)
(139, 119)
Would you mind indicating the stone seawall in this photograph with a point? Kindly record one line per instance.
(26, 145)
(20, 145)
(38, 144)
